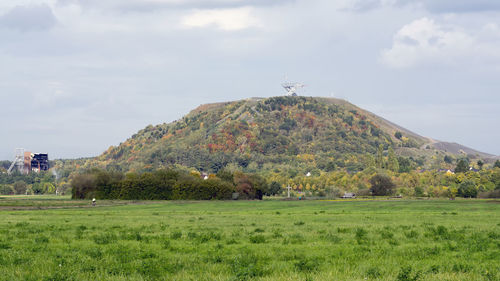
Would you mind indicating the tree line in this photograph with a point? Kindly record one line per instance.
(32, 183)
(169, 184)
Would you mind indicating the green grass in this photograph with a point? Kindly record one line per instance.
(254, 240)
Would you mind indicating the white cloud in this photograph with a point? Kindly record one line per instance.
(433, 6)
(225, 19)
(140, 6)
(424, 41)
(29, 18)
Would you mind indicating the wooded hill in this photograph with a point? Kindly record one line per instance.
(282, 134)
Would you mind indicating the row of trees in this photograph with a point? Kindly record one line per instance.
(382, 185)
(182, 184)
(169, 184)
(32, 183)
(433, 183)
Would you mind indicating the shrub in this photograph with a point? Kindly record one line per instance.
(490, 194)
(83, 186)
(20, 187)
(419, 191)
(363, 192)
(6, 189)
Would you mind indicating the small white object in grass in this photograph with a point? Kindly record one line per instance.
(308, 174)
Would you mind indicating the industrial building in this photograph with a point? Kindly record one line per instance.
(26, 162)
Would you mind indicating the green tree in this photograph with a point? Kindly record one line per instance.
(497, 164)
(398, 135)
(48, 188)
(462, 166)
(20, 187)
(392, 161)
(404, 164)
(379, 161)
(330, 166)
(480, 164)
(274, 188)
(225, 175)
(448, 159)
(37, 188)
(381, 185)
(6, 189)
(467, 189)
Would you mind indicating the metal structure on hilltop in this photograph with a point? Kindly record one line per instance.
(292, 88)
(18, 161)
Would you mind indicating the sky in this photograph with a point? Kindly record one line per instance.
(77, 76)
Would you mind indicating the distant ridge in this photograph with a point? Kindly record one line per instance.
(455, 148)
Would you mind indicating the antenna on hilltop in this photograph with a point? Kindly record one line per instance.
(291, 88)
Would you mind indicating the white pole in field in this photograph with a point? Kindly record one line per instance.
(288, 187)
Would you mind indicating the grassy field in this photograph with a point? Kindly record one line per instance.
(261, 240)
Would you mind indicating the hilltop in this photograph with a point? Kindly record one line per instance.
(278, 133)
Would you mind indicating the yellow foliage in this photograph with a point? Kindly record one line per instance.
(195, 173)
(306, 157)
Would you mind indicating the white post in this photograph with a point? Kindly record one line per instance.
(288, 187)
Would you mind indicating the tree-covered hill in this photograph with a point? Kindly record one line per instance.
(284, 134)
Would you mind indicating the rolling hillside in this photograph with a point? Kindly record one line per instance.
(274, 133)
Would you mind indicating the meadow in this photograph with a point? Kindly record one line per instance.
(250, 240)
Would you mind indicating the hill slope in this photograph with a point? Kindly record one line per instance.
(274, 133)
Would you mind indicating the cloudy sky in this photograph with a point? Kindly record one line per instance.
(77, 76)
